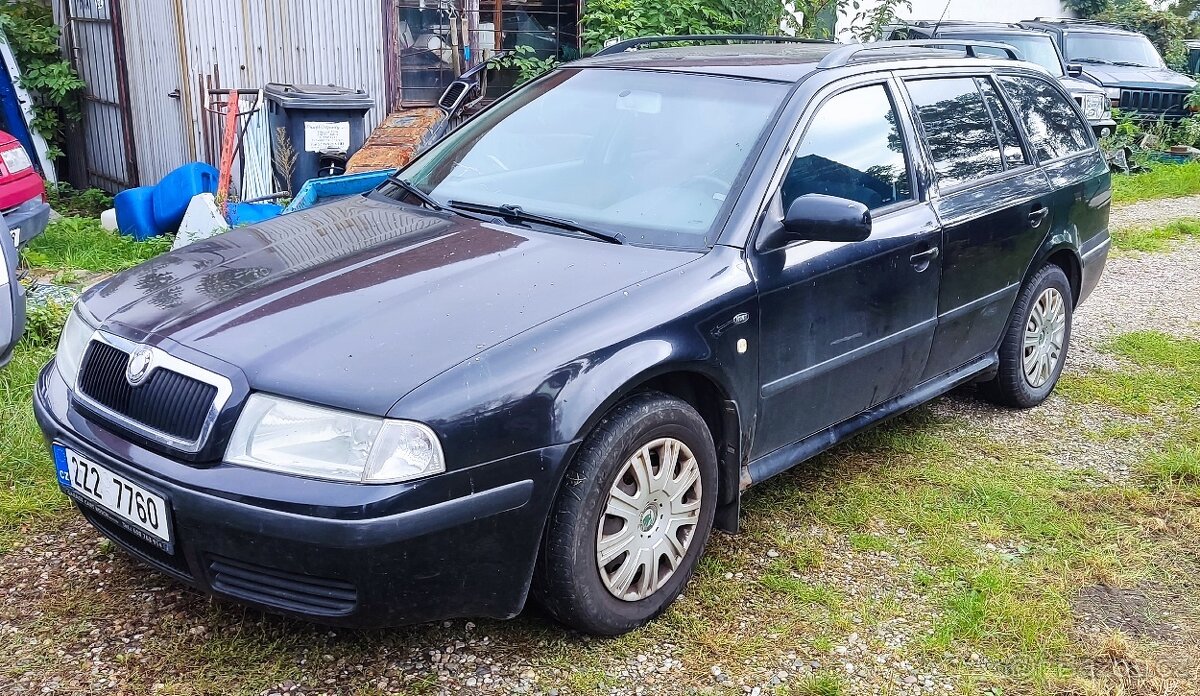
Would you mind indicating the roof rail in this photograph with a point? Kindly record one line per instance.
(635, 44)
(1091, 22)
(844, 54)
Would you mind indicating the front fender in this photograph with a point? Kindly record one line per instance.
(551, 384)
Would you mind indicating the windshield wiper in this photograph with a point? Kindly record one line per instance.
(517, 213)
(1131, 64)
(411, 189)
(1099, 61)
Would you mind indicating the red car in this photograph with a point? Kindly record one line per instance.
(22, 192)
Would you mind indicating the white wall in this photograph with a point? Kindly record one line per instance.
(981, 10)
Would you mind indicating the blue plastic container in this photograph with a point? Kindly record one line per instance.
(250, 213)
(175, 192)
(135, 213)
(330, 188)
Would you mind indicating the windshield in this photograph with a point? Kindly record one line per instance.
(1037, 49)
(650, 155)
(1119, 49)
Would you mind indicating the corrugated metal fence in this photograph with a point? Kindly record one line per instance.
(176, 48)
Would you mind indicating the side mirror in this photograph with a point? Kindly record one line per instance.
(820, 218)
(1074, 69)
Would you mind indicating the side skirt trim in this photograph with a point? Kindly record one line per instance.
(788, 456)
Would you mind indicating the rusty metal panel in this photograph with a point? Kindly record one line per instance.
(157, 88)
(177, 48)
(91, 38)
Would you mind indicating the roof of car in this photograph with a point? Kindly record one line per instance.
(1076, 25)
(786, 62)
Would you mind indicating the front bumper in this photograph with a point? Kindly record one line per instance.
(28, 220)
(305, 548)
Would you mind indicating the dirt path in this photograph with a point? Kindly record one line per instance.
(1155, 212)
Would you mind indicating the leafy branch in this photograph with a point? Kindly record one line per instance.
(50, 79)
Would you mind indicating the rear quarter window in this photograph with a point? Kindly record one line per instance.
(1053, 127)
(958, 128)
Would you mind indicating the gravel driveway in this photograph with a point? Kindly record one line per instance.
(78, 617)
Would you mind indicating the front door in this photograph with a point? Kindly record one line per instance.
(846, 326)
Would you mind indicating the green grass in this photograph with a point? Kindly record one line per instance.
(1155, 238)
(1165, 378)
(27, 487)
(76, 243)
(1162, 181)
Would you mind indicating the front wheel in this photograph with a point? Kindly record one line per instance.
(632, 518)
(1034, 348)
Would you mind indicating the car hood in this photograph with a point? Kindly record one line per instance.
(1138, 78)
(1075, 86)
(356, 303)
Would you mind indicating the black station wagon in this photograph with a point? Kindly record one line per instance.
(551, 353)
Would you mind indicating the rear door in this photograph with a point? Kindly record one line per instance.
(1065, 148)
(993, 204)
(845, 326)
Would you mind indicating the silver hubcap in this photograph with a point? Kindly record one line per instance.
(1044, 335)
(649, 520)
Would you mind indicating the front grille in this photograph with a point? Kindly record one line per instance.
(167, 402)
(276, 588)
(1153, 101)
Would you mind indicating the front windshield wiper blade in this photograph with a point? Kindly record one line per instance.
(1131, 64)
(516, 212)
(1099, 61)
(414, 191)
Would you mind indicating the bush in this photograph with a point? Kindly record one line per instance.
(29, 25)
(44, 322)
(626, 19)
(72, 202)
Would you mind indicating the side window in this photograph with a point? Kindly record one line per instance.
(958, 128)
(1052, 125)
(1006, 130)
(853, 149)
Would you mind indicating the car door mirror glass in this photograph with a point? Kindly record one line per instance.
(1074, 69)
(817, 217)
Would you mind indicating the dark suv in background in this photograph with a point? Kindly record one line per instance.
(1033, 46)
(1124, 63)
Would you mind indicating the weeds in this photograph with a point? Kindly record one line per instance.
(81, 243)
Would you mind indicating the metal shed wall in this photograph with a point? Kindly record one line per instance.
(177, 44)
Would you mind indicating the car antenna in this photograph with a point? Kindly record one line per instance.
(939, 22)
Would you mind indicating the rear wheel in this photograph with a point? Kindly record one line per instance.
(632, 518)
(1034, 348)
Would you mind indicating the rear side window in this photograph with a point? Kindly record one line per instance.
(1006, 130)
(1053, 127)
(958, 128)
(854, 150)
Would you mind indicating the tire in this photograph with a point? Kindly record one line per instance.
(1014, 385)
(569, 580)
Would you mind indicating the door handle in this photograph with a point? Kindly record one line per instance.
(1037, 215)
(922, 259)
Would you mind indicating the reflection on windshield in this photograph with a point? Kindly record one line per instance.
(1114, 48)
(1037, 49)
(651, 155)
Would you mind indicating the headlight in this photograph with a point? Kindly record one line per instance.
(1094, 106)
(72, 344)
(297, 438)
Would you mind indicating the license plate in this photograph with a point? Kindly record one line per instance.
(142, 512)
